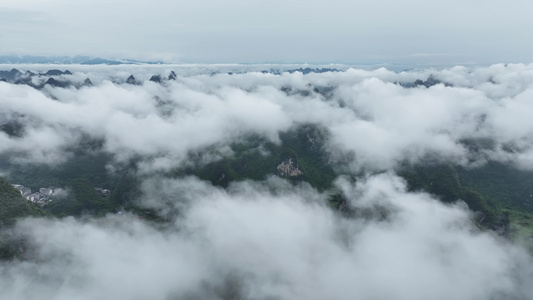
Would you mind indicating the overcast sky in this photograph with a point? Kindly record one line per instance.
(253, 31)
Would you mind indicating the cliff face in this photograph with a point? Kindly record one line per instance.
(14, 206)
(289, 168)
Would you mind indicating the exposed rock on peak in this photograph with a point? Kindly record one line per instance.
(56, 83)
(132, 80)
(289, 168)
(87, 82)
(14, 72)
(172, 76)
(11, 76)
(429, 82)
(156, 78)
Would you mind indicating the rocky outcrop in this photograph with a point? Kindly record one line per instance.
(429, 82)
(12, 75)
(87, 82)
(156, 78)
(132, 80)
(172, 76)
(56, 83)
(50, 78)
(289, 168)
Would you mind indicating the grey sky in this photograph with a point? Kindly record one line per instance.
(208, 31)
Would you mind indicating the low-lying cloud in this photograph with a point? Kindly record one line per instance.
(366, 112)
(271, 240)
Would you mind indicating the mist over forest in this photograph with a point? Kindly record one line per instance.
(266, 182)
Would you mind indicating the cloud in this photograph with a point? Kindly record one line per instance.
(273, 239)
(270, 240)
(365, 112)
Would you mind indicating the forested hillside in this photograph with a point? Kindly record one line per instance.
(498, 194)
(14, 206)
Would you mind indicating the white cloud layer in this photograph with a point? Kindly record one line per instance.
(272, 239)
(365, 112)
(249, 242)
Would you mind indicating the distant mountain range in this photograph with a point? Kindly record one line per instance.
(56, 78)
(83, 60)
